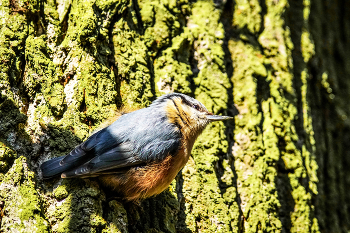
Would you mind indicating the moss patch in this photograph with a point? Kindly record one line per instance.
(133, 64)
(22, 203)
(79, 207)
(201, 184)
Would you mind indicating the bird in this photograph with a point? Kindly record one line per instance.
(140, 153)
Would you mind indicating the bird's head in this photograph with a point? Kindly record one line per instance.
(187, 112)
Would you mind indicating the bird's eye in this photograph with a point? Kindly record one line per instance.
(196, 106)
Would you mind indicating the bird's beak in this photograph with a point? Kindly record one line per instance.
(218, 118)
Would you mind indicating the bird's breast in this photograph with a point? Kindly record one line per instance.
(149, 180)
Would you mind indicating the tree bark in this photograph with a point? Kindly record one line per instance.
(280, 67)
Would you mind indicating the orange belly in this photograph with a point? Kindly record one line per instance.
(142, 182)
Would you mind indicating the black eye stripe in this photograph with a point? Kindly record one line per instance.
(189, 103)
(185, 101)
(196, 106)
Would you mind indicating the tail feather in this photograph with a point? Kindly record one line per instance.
(53, 168)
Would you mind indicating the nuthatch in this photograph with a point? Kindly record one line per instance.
(141, 152)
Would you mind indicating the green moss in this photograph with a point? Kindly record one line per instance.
(201, 184)
(255, 150)
(61, 192)
(307, 46)
(315, 226)
(266, 131)
(41, 74)
(74, 88)
(82, 25)
(7, 157)
(23, 205)
(97, 55)
(247, 14)
(117, 218)
(29, 204)
(11, 125)
(79, 208)
(62, 139)
(162, 21)
(172, 69)
(86, 45)
(13, 32)
(133, 65)
(167, 44)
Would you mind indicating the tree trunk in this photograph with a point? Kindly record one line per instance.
(279, 66)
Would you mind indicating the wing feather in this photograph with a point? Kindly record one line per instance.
(122, 157)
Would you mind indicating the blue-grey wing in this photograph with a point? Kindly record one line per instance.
(84, 151)
(125, 156)
(134, 139)
(94, 145)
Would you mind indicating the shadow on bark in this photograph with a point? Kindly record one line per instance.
(284, 192)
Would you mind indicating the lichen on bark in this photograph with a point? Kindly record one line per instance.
(21, 201)
(67, 65)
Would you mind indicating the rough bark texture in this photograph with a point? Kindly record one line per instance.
(280, 66)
